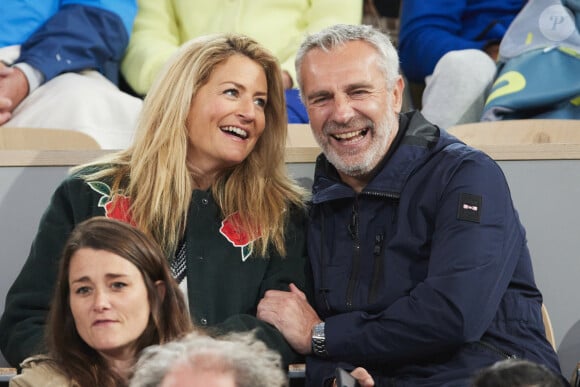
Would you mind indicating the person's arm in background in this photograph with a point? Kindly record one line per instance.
(155, 38)
(81, 35)
(323, 13)
(430, 29)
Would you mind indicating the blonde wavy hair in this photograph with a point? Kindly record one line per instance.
(153, 171)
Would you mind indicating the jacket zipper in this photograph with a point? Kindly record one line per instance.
(378, 266)
(353, 230)
(493, 348)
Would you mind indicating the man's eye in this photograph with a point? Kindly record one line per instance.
(359, 92)
(318, 100)
(232, 92)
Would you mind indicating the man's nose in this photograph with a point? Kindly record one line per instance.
(343, 110)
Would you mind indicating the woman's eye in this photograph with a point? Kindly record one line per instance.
(83, 290)
(118, 285)
(260, 102)
(232, 92)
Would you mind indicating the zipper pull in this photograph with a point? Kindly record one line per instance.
(378, 244)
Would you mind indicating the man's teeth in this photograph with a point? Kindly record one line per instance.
(349, 135)
(232, 129)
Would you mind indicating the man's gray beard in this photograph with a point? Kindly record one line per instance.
(373, 155)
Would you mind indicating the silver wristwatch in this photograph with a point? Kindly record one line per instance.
(319, 340)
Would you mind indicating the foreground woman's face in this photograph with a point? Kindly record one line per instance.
(109, 302)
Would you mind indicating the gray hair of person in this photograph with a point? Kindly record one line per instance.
(248, 360)
(340, 34)
(517, 373)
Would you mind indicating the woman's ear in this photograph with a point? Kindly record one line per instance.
(160, 285)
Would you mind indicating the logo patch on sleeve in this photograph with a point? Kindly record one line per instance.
(469, 208)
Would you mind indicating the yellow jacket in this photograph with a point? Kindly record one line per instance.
(161, 26)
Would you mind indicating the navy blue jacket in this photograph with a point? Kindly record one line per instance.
(424, 276)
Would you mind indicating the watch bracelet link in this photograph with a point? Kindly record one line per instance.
(319, 340)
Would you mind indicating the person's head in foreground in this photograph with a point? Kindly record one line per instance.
(235, 360)
(354, 108)
(517, 373)
(115, 295)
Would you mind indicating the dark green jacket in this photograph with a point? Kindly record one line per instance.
(223, 288)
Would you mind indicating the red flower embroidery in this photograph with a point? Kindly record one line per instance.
(116, 206)
(231, 230)
(119, 208)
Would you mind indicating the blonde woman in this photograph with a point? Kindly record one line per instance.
(205, 178)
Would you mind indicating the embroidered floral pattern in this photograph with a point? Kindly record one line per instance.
(236, 236)
(116, 206)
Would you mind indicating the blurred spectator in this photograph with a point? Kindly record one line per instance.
(161, 26)
(236, 360)
(452, 47)
(517, 373)
(60, 64)
(383, 15)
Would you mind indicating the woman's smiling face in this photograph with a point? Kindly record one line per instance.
(227, 115)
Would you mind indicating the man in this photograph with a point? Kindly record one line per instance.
(421, 271)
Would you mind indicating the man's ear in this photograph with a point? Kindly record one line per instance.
(397, 91)
(160, 286)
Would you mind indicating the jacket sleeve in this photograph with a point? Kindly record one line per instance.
(321, 14)
(81, 36)
(27, 302)
(38, 371)
(469, 269)
(155, 38)
(430, 29)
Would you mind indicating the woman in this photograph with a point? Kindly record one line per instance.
(115, 295)
(205, 178)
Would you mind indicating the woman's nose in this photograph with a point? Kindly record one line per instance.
(101, 300)
(247, 109)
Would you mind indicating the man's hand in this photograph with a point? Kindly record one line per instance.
(13, 89)
(291, 314)
(363, 377)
